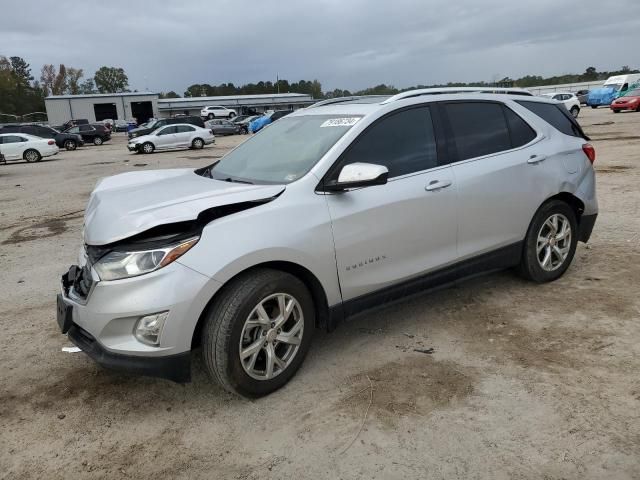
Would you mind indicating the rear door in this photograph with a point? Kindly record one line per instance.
(87, 132)
(388, 234)
(183, 135)
(494, 153)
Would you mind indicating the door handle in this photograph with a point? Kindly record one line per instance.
(437, 185)
(533, 159)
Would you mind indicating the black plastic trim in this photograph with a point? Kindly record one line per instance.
(499, 259)
(586, 227)
(176, 368)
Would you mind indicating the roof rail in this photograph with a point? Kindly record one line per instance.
(444, 90)
(331, 101)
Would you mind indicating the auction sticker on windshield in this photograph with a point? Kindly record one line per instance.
(340, 122)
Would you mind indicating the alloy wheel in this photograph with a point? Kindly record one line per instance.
(271, 336)
(554, 242)
(31, 156)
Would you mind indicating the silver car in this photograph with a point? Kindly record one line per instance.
(330, 211)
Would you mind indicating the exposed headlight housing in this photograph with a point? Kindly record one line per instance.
(149, 328)
(116, 265)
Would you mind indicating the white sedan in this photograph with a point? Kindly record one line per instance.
(18, 146)
(172, 137)
(569, 99)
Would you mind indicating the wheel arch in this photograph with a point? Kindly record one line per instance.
(307, 277)
(574, 202)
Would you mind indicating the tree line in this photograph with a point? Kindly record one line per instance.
(21, 93)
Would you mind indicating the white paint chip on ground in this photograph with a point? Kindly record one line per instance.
(71, 349)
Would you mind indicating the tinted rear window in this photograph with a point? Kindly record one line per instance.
(556, 115)
(478, 128)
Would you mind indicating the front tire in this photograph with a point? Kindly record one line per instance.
(211, 116)
(197, 144)
(550, 243)
(594, 106)
(615, 110)
(32, 156)
(147, 147)
(97, 141)
(231, 115)
(575, 111)
(70, 145)
(258, 331)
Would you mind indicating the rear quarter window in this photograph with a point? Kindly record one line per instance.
(556, 116)
(521, 132)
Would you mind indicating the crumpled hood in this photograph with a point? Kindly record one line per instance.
(130, 203)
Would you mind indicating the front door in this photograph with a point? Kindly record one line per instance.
(167, 137)
(385, 235)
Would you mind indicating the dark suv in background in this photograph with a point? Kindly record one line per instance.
(147, 128)
(69, 141)
(95, 133)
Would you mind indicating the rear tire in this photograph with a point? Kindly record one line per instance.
(97, 141)
(616, 111)
(70, 145)
(32, 155)
(550, 243)
(594, 106)
(231, 115)
(197, 144)
(233, 324)
(211, 116)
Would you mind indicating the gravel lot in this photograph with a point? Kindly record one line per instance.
(525, 381)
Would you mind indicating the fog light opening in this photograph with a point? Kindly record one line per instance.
(148, 329)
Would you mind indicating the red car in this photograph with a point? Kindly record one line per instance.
(631, 101)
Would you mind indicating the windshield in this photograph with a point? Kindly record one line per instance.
(283, 151)
(615, 86)
(149, 124)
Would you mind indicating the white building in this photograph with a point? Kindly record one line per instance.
(116, 106)
(169, 107)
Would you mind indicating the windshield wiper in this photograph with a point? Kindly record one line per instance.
(235, 180)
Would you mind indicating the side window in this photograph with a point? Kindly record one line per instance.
(404, 142)
(167, 131)
(478, 128)
(85, 128)
(521, 132)
(184, 128)
(13, 139)
(556, 115)
(74, 130)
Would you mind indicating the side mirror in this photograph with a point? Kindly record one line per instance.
(358, 175)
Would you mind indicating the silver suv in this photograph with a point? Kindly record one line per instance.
(330, 211)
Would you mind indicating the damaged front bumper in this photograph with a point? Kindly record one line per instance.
(100, 318)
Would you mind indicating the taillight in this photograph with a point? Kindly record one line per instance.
(51, 142)
(590, 152)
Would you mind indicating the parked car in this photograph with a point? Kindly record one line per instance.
(612, 88)
(269, 117)
(630, 101)
(582, 96)
(223, 127)
(122, 125)
(147, 128)
(568, 99)
(315, 220)
(68, 141)
(72, 123)
(217, 111)
(22, 146)
(245, 122)
(172, 137)
(95, 133)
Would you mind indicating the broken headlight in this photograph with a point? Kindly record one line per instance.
(123, 264)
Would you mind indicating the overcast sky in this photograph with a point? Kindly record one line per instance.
(352, 44)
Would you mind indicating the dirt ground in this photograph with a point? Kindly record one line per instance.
(525, 381)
